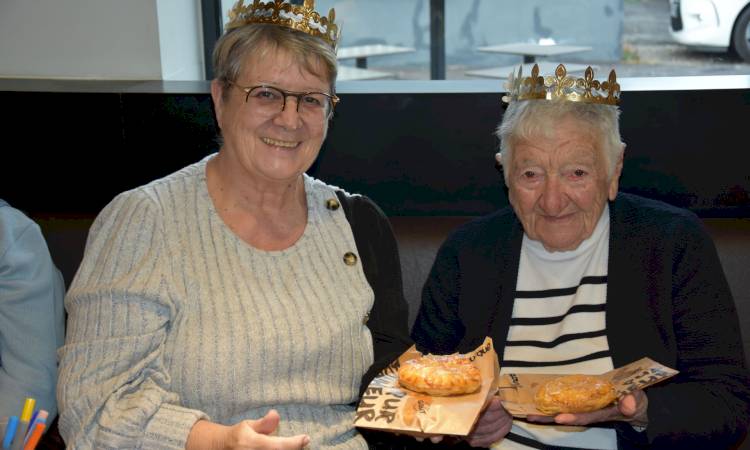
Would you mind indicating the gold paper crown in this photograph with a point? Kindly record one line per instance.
(277, 12)
(562, 87)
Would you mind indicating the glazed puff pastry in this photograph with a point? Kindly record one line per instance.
(574, 394)
(440, 375)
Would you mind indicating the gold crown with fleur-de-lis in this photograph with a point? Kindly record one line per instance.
(562, 86)
(278, 12)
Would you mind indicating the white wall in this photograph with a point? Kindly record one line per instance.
(100, 39)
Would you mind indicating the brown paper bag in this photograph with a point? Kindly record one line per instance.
(517, 390)
(387, 406)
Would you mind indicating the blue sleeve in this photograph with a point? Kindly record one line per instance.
(31, 315)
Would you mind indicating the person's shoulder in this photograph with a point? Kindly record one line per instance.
(651, 211)
(483, 235)
(10, 216)
(359, 204)
(159, 194)
(648, 217)
(364, 204)
(490, 226)
(13, 223)
(190, 174)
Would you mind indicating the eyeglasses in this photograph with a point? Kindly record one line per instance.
(271, 100)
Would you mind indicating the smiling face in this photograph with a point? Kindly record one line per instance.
(558, 183)
(272, 147)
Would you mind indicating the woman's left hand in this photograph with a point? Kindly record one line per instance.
(493, 425)
(631, 408)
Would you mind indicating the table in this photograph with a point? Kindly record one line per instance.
(531, 51)
(545, 68)
(347, 73)
(362, 52)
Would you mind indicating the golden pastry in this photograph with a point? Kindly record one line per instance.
(440, 375)
(574, 394)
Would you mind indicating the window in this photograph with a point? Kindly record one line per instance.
(640, 38)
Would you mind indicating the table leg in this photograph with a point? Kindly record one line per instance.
(362, 63)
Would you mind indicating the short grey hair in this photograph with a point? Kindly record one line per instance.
(527, 117)
(234, 48)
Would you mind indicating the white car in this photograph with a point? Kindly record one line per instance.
(712, 24)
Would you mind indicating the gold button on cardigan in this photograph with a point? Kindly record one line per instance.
(350, 259)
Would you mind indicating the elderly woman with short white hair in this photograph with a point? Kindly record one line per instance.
(576, 278)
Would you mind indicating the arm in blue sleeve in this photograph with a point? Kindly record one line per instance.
(31, 315)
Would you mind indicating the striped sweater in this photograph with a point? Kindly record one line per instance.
(172, 318)
(558, 326)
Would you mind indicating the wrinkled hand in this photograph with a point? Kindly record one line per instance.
(245, 435)
(493, 425)
(630, 408)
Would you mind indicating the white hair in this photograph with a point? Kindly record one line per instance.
(526, 118)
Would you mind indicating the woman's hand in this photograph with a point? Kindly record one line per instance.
(493, 424)
(630, 408)
(245, 435)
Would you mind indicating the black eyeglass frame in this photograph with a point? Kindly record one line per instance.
(333, 98)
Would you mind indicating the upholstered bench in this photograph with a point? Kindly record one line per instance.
(419, 239)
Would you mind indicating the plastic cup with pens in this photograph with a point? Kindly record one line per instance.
(24, 432)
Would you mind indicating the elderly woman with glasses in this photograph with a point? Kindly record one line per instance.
(237, 303)
(576, 278)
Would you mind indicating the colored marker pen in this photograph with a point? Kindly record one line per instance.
(31, 422)
(39, 417)
(23, 424)
(10, 431)
(34, 436)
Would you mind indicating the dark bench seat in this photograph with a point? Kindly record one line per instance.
(419, 239)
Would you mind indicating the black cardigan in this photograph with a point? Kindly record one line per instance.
(378, 252)
(388, 321)
(667, 298)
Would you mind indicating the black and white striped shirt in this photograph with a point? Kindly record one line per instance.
(558, 326)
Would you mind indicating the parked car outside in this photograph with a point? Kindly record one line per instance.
(722, 25)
